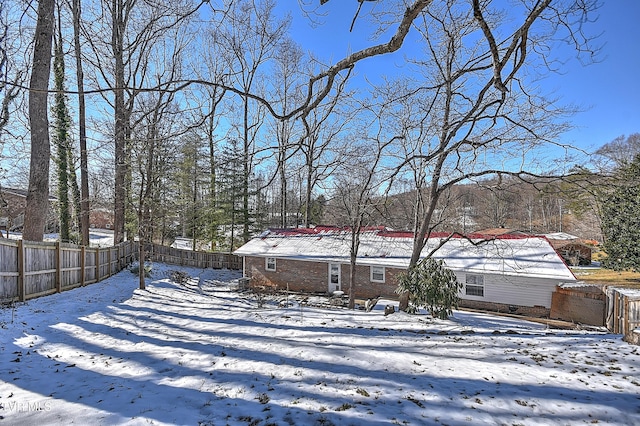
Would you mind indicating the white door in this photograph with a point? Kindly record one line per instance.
(334, 277)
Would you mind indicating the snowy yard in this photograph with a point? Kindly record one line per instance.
(199, 353)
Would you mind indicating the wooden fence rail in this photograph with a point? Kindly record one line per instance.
(196, 259)
(31, 269)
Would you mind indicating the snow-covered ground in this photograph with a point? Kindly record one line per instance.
(200, 353)
(97, 237)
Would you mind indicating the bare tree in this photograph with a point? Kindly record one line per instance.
(11, 74)
(621, 151)
(288, 63)
(321, 144)
(120, 66)
(38, 193)
(359, 183)
(251, 34)
(478, 117)
(76, 12)
(157, 124)
(213, 111)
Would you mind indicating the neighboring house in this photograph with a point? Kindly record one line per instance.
(13, 203)
(572, 249)
(495, 232)
(101, 218)
(516, 273)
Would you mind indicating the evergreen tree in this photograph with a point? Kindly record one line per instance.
(621, 220)
(432, 286)
(231, 212)
(61, 141)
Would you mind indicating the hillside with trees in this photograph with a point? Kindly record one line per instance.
(208, 120)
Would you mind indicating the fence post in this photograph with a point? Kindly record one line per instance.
(58, 267)
(21, 289)
(82, 265)
(626, 320)
(97, 264)
(109, 262)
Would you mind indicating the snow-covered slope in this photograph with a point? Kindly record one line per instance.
(199, 353)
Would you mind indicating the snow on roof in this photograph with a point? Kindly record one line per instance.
(561, 236)
(509, 254)
(633, 293)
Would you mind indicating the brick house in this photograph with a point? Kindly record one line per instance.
(571, 248)
(13, 203)
(101, 218)
(516, 273)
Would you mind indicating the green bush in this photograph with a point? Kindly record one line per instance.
(432, 286)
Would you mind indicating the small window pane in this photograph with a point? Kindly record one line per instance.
(377, 273)
(474, 290)
(270, 264)
(474, 285)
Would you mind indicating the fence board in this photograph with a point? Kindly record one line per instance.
(103, 263)
(31, 269)
(9, 271)
(40, 264)
(70, 266)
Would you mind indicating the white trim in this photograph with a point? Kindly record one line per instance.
(372, 274)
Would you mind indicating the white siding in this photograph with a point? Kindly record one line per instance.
(513, 290)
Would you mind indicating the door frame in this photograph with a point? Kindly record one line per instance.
(331, 285)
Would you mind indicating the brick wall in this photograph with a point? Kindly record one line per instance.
(313, 277)
(584, 305)
(531, 311)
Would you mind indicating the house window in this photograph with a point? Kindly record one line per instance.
(474, 285)
(270, 264)
(377, 274)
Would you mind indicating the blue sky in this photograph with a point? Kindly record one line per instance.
(608, 91)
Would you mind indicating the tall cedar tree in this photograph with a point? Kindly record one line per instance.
(61, 141)
(621, 221)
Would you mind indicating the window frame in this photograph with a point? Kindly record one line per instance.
(372, 274)
(475, 283)
(335, 286)
(267, 263)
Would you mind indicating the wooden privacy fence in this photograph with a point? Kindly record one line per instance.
(623, 313)
(196, 259)
(584, 304)
(31, 269)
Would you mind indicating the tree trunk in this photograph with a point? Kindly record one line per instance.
(283, 187)
(355, 244)
(246, 174)
(120, 119)
(309, 188)
(38, 194)
(82, 128)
